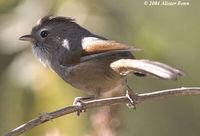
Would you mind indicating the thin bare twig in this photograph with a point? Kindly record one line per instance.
(44, 117)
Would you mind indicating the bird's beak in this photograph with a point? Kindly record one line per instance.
(29, 38)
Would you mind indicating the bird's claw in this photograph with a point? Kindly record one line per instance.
(79, 102)
(132, 99)
(81, 108)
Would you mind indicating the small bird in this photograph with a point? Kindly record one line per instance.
(87, 61)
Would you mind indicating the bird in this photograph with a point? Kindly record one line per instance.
(87, 61)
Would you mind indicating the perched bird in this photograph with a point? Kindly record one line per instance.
(87, 61)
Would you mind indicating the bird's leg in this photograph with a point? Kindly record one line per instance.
(79, 101)
(132, 98)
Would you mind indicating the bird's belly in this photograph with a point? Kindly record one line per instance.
(94, 78)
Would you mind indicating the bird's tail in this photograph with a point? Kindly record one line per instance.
(146, 67)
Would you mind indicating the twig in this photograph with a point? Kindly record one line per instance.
(44, 117)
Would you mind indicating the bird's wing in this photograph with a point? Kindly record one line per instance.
(94, 48)
(147, 67)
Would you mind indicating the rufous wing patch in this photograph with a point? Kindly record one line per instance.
(100, 46)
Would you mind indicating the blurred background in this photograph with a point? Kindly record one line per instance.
(169, 34)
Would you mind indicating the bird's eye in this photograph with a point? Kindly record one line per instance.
(44, 33)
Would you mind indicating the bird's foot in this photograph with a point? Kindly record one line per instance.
(79, 101)
(132, 98)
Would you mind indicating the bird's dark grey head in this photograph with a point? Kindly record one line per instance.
(54, 36)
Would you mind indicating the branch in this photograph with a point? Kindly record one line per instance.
(44, 117)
